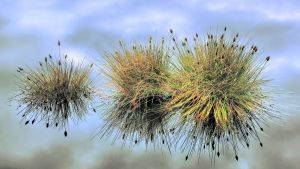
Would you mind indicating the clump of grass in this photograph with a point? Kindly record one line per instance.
(54, 92)
(218, 92)
(138, 74)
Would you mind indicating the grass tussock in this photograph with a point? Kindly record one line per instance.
(54, 92)
(138, 75)
(217, 90)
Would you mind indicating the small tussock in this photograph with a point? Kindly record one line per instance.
(54, 92)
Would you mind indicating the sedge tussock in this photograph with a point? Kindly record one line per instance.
(218, 93)
(137, 112)
(54, 92)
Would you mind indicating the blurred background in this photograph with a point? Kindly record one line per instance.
(29, 31)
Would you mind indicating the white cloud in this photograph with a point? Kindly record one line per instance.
(287, 11)
(77, 56)
(276, 63)
(282, 15)
(281, 63)
(54, 17)
(296, 63)
(154, 19)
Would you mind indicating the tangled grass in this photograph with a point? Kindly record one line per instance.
(138, 74)
(217, 90)
(54, 92)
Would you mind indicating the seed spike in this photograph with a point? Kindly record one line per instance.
(26, 122)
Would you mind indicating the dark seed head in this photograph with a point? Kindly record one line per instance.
(85, 95)
(171, 30)
(255, 48)
(268, 58)
(261, 144)
(186, 158)
(222, 36)
(26, 122)
(236, 158)
(58, 43)
(218, 154)
(47, 125)
(32, 122)
(66, 133)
